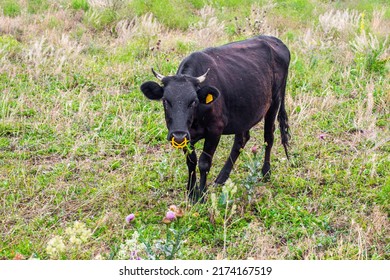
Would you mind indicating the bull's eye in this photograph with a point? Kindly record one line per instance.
(166, 103)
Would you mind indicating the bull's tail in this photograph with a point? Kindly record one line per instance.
(283, 125)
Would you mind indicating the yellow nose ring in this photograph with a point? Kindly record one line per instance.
(179, 145)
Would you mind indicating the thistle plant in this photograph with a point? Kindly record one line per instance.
(169, 247)
(138, 247)
(254, 175)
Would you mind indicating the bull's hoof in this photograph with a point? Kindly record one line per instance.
(266, 171)
(196, 197)
(221, 179)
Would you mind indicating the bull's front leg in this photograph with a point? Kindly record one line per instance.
(205, 160)
(191, 160)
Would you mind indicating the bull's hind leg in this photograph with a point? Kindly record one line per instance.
(239, 143)
(269, 128)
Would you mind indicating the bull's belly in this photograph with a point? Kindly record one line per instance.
(239, 127)
(244, 120)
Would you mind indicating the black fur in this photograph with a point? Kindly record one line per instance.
(247, 81)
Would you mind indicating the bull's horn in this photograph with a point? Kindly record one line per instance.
(158, 75)
(203, 77)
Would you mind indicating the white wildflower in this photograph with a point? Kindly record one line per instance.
(229, 188)
(55, 246)
(131, 249)
(78, 233)
(98, 257)
(214, 204)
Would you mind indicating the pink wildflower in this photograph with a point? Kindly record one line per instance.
(254, 150)
(170, 215)
(129, 218)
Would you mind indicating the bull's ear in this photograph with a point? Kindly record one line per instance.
(207, 95)
(152, 90)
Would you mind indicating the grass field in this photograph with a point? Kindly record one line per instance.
(81, 147)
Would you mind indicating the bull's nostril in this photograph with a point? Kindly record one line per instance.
(179, 136)
(179, 140)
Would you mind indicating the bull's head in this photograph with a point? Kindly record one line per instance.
(181, 96)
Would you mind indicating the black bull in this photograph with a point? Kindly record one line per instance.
(224, 90)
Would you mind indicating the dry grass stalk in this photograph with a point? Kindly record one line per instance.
(144, 26)
(365, 119)
(342, 21)
(10, 25)
(265, 246)
(101, 3)
(41, 54)
(208, 27)
(379, 23)
(362, 42)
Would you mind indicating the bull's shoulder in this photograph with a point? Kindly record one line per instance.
(195, 64)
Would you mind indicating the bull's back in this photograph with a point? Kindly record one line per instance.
(244, 74)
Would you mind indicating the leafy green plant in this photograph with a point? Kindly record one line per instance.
(254, 165)
(100, 19)
(37, 6)
(80, 5)
(11, 8)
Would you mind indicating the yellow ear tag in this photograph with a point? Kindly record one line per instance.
(209, 98)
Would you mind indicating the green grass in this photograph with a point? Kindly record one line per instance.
(79, 5)
(80, 142)
(172, 13)
(10, 8)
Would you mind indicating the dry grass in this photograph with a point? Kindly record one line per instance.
(208, 27)
(144, 26)
(379, 23)
(342, 21)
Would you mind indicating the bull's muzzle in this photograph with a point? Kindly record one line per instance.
(179, 145)
(179, 140)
